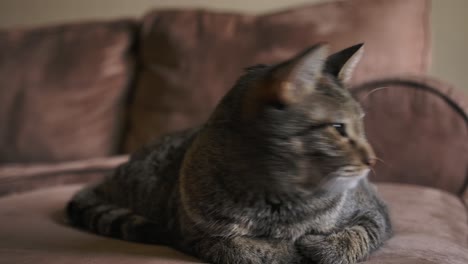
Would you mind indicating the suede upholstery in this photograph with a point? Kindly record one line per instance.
(73, 95)
(36, 231)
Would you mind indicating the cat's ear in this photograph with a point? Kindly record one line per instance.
(297, 77)
(343, 63)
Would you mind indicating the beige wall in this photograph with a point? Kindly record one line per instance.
(449, 21)
(450, 41)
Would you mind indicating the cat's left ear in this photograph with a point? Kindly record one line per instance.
(343, 63)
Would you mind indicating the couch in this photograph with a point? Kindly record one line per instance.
(76, 98)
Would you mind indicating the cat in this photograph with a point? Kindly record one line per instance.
(278, 174)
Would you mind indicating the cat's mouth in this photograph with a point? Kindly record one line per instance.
(351, 171)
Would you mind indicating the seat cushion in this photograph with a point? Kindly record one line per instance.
(430, 227)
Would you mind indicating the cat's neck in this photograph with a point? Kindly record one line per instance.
(342, 184)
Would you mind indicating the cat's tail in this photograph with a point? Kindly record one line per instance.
(88, 211)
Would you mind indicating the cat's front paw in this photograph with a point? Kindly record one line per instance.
(317, 248)
(322, 249)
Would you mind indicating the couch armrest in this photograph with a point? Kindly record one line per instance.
(17, 177)
(418, 126)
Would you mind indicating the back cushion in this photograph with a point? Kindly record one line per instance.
(191, 58)
(62, 91)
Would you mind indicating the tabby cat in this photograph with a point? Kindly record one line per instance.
(278, 174)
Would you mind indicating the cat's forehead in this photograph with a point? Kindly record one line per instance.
(332, 101)
(332, 112)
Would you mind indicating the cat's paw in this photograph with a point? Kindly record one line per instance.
(322, 249)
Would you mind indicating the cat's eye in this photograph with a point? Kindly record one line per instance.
(341, 128)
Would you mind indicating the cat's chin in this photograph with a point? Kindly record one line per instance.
(343, 183)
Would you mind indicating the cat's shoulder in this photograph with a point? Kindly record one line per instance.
(167, 143)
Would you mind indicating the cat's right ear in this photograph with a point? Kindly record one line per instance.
(294, 79)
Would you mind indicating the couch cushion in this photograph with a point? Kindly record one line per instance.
(63, 89)
(191, 58)
(430, 227)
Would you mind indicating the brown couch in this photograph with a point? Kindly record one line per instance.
(75, 98)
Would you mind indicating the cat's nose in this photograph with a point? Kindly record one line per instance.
(370, 161)
(367, 155)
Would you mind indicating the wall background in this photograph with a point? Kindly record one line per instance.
(449, 21)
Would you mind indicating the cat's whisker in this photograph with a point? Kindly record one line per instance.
(373, 91)
(379, 159)
(382, 161)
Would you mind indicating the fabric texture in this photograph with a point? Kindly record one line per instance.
(37, 232)
(418, 127)
(20, 178)
(190, 58)
(63, 90)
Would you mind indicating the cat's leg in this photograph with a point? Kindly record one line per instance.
(244, 250)
(350, 245)
(88, 211)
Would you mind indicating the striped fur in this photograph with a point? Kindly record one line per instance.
(110, 209)
(90, 212)
(278, 174)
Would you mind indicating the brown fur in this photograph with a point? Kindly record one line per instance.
(276, 175)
